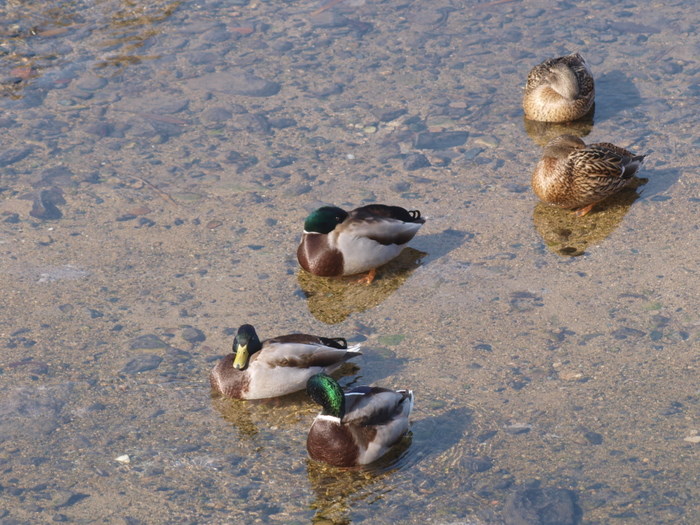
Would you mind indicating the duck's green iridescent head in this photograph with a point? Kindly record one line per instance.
(326, 391)
(245, 344)
(324, 219)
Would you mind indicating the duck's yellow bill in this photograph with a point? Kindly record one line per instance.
(241, 360)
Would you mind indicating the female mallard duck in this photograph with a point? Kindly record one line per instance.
(559, 90)
(336, 242)
(276, 366)
(357, 427)
(573, 175)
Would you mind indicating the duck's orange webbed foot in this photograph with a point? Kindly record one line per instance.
(367, 279)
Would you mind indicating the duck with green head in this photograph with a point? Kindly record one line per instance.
(559, 90)
(356, 427)
(277, 366)
(573, 175)
(337, 243)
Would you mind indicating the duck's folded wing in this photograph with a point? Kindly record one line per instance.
(597, 162)
(382, 230)
(301, 355)
(374, 406)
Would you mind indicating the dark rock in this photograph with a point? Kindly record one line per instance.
(216, 114)
(193, 335)
(281, 162)
(45, 202)
(91, 83)
(542, 506)
(440, 139)
(389, 114)
(147, 342)
(12, 218)
(236, 83)
(242, 162)
(142, 363)
(95, 314)
(593, 437)
(476, 464)
(10, 156)
(281, 123)
(57, 176)
(517, 428)
(625, 332)
(329, 19)
(414, 161)
(177, 356)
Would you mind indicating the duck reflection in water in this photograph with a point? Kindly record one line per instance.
(568, 235)
(333, 300)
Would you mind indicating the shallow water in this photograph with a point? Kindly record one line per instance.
(156, 167)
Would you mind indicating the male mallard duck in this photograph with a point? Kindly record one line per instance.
(336, 242)
(357, 427)
(277, 366)
(573, 175)
(559, 90)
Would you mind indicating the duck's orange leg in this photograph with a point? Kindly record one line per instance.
(367, 279)
(583, 211)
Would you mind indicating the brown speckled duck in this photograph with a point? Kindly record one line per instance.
(356, 427)
(573, 175)
(337, 243)
(559, 90)
(277, 366)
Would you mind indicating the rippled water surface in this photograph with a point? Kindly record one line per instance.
(157, 162)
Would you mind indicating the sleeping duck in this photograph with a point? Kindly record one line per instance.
(358, 427)
(336, 242)
(559, 90)
(277, 366)
(572, 174)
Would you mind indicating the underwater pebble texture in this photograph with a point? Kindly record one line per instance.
(157, 162)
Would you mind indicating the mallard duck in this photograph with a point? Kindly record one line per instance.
(277, 366)
(559, 90)
(358, 427)
(573, 175)
(336, 243)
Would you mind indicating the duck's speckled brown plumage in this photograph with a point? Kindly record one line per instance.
(573, 175)
(559, 90)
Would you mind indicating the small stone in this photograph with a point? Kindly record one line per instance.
(518, 428)
(692, 439)
(415, 161)
(91, 83)
(124, 459)
(476, 464)
(541, 506)
(193, 335)
(440, 139)
(593, 438)
(236, 83)
(142, 363)
(389, 114)
(147, 342)
(570, 376)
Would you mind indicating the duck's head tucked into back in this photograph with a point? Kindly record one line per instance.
(559, 90)
(573, 175)
(277, 366)
(336, 242)
(356, 427)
